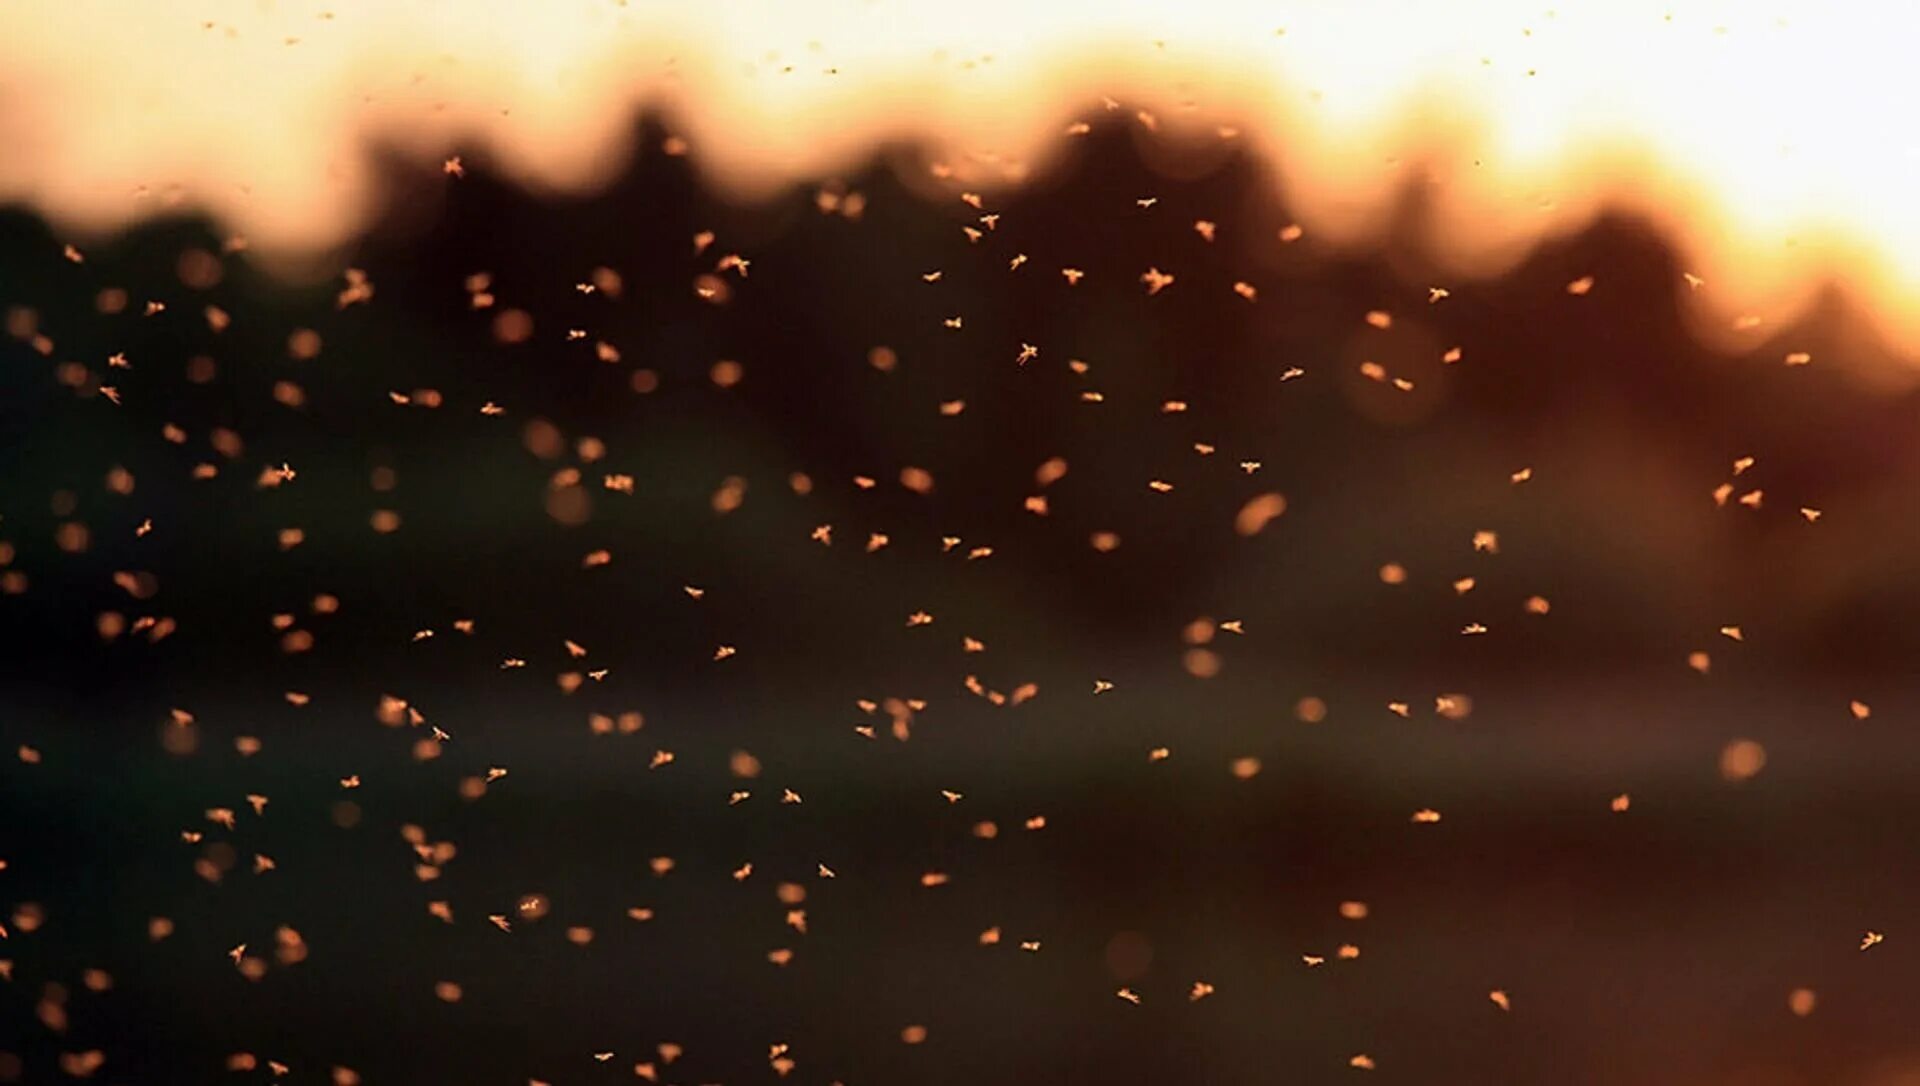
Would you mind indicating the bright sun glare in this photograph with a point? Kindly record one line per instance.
(1758, 141)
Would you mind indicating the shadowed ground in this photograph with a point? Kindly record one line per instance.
(1653, 945)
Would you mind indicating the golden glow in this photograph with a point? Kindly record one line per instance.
(1762, 138)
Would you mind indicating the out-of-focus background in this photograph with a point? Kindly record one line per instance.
(1558, 729)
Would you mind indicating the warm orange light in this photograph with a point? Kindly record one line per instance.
(1750, 132)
